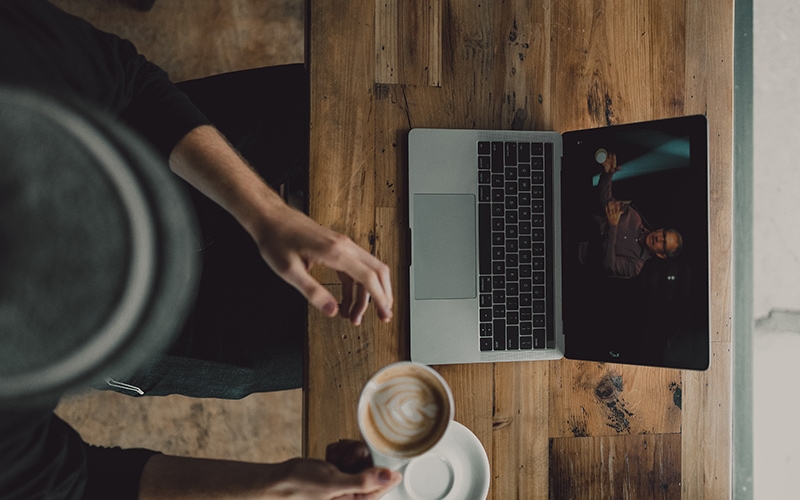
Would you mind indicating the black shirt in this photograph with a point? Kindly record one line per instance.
(46, 48)
(42, 47)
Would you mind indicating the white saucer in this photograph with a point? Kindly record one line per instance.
(457, 468)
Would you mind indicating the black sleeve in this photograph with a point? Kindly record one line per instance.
(114, 472)
(142, 95)
(41, 457)
(48, 49)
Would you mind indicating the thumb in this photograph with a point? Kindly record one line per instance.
(316, 294)
(372, 480)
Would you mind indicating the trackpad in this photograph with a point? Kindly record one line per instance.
(444, 246)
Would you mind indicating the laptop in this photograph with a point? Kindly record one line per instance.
(590, 245)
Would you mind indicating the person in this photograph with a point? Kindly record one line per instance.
(58, 54)
(625, 240)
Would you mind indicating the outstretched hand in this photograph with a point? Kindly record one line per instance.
(289, 241)
(178, 478)
(292, 244)
(610, 165)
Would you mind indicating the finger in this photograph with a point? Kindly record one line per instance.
(370, 484)
(317, 295)
(366, 269)
(347, 295)
(349, 456)
(360, 307)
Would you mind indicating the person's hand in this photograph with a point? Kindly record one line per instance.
(614, 211)
(178, 478)
(610, 165)
(291, 243)
(317, 480)
(349, 456)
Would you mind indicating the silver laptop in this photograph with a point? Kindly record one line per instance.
(524, 247)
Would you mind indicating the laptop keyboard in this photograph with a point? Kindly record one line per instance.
(515, 265)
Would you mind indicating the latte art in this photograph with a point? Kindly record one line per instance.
(404, 411)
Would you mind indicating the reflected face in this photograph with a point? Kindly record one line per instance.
(661, 242)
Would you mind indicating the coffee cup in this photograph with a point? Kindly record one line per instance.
(404, 410)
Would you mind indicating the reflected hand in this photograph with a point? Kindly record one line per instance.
(610, 165)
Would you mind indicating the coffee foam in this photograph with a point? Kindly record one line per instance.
(406, 412)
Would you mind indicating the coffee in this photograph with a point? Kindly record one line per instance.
(405, 409)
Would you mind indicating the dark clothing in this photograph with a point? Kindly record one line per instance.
(623, 252)
(245, 333)
(41, 457)
(48, 49)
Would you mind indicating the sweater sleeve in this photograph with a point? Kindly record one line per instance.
(58, 53)
(41, 457)
(146, 98)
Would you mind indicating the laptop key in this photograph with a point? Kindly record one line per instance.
(526, 343)
(486, 343)
(486, 330)
(484, 148)
(499, 335)
(510, 153)
(498, 163)
(538, 338)
(512, 338)
(485, 284)
(523, 152)
(498, 311)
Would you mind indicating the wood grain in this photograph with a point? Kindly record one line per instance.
(618, 467)
(408, 42)
(552, 429)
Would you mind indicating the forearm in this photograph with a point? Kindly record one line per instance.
(205, 159)
(288, 240)
(176, 478)
(604, 188)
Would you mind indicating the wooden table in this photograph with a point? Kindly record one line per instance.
(561, 429)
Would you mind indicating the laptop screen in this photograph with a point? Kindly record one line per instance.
(635, 254)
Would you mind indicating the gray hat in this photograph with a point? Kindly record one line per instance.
(97, 262)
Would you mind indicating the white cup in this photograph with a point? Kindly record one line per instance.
(404, 410)
(600, 155)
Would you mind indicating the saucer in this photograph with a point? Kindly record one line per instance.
(457, 468)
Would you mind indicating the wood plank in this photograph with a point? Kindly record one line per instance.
(616, 467)
(520, 423)
(341, 196)
(707, 428)
(408, 42)
(617, 62)
(707, 419)
(604, 399)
